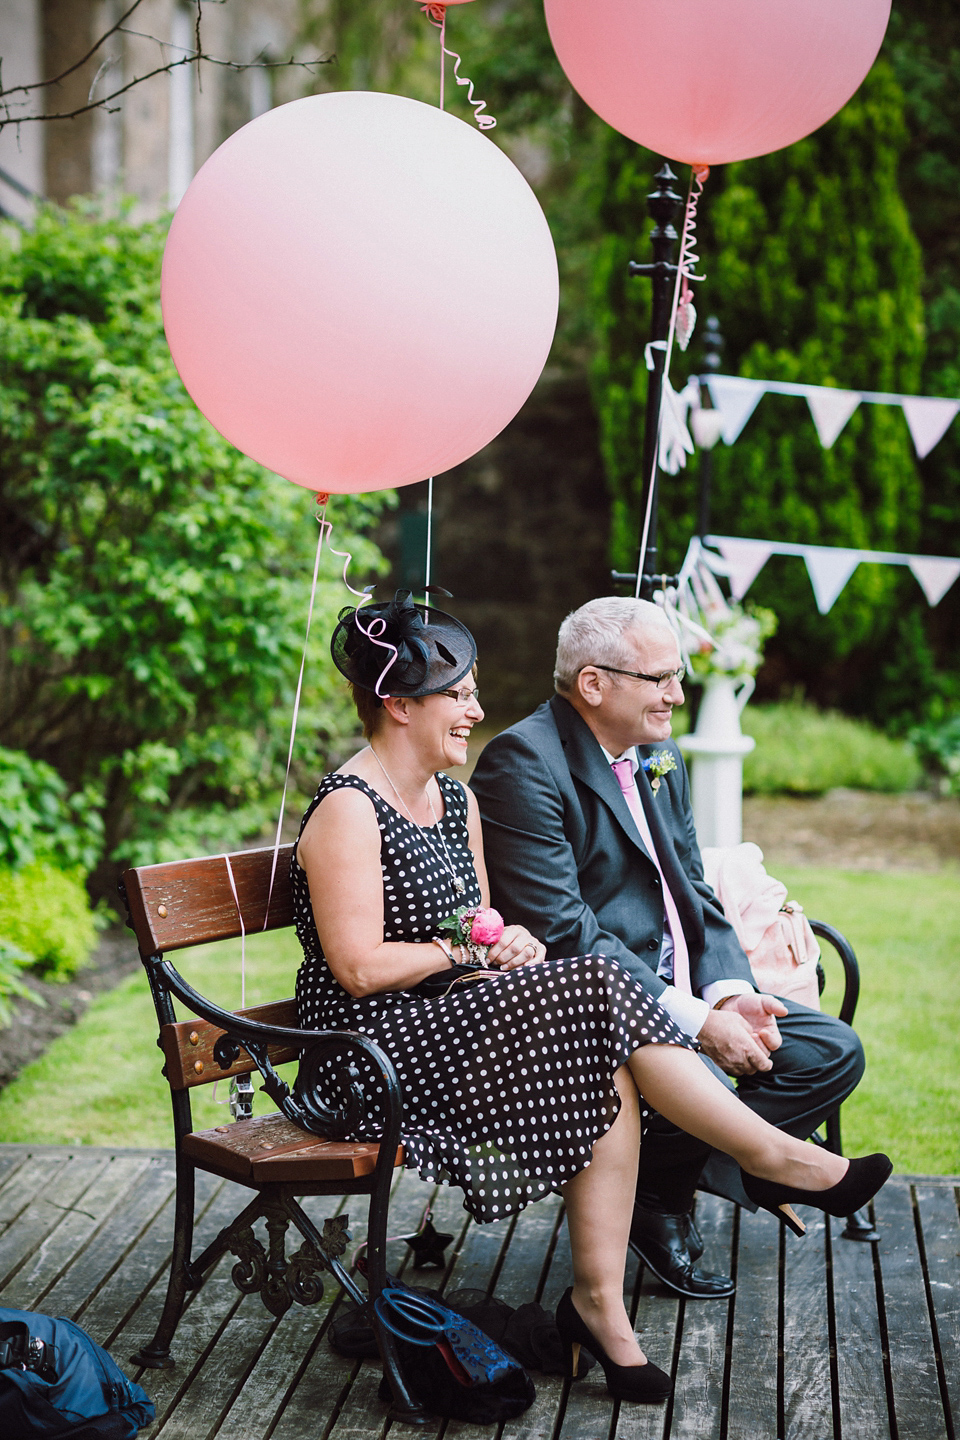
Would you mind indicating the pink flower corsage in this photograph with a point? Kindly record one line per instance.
(475, 929)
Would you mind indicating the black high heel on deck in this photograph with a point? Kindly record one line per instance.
(861, 1182)
(624, 1382)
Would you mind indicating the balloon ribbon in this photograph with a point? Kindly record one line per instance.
(437, 15)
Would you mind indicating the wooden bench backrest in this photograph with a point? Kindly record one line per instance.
(188, 1046)
(190, 902)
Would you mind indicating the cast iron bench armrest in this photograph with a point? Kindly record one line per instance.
(302, 1105)
(851, 969)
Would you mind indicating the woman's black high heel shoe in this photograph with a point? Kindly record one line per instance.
(861, 1182)
(624, 1382)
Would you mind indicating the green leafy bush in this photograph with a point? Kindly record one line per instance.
(39, 818)
(45, 915)
(938, 749)
(804, 751)
(153, 580)
(13, 961)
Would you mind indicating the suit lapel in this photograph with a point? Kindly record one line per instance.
(587, 762)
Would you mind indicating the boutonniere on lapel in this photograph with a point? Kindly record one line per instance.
(660, 763)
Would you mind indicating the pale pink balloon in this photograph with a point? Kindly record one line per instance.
(710, 81)
(359, 291)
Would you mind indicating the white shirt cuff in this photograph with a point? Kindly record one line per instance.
(688, 1012)
(719, 989)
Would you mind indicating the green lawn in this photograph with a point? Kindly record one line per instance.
(100, 1084)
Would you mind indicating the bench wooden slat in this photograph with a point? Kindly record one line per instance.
(272, 1148)
(190, 902)
(188, 1046)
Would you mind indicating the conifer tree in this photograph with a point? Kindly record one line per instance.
(815, 275)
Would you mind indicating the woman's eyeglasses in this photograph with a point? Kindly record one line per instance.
(462, 697)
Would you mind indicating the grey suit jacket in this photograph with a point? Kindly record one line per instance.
(565, 859)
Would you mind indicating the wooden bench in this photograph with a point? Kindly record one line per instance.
(301, 1150)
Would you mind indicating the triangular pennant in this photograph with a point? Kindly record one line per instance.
(745, 559)
(928, 419)
(831, 409)
(736, 399)
(829, 568)
(935, 573)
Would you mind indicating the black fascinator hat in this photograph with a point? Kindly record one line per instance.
(400, 648)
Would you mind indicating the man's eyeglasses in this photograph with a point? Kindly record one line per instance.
(462, 697)
(661, 681)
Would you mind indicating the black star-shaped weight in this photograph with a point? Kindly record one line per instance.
(428, 1247)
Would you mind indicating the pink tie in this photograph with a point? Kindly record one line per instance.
(623, 769)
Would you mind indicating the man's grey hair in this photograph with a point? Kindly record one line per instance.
(593, 635)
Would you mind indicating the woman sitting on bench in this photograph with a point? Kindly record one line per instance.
(524, 1076)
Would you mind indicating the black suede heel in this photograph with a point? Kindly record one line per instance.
(861, 1182)
(645, 1383)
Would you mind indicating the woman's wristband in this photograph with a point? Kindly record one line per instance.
(445, 947)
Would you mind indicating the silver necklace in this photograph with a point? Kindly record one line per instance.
(459, 884)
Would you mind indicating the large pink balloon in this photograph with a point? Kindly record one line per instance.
(709, 81)
(359, 290)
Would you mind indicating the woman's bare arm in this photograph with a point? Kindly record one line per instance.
(340, 851)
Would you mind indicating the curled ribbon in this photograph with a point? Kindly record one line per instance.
(689, 259)
(437, 15)
(377, 626)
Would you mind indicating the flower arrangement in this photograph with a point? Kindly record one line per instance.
(475, 928)
(737, 637)
(660, 763)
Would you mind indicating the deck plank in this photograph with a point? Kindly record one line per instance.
(519, 1281)
(807, 1387)
(76, 1227)
(916, 1390)
(129, 1222)
(937, 1205)
(753, 1361)
(862, 1395)
(698, 1389)
(62, 1188)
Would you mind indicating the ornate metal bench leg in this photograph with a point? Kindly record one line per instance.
(156, 1355)
(404, 1407)
(858, 1227)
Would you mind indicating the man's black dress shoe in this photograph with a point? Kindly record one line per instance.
(663, 1244)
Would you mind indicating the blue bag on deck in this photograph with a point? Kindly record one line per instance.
(58, 1384)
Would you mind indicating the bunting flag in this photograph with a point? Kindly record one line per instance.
(935, 575)
(928, 417)
(829, 569)
(745, 559)
(831, 409)
(829, 566)
(736, 399)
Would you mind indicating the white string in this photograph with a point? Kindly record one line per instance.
(426, 570)
(243, 936)
(296, 708)
(688, 217)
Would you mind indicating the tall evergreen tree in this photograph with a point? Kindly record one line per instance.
(815, 275)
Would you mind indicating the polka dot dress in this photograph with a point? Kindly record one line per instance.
(507, 1083)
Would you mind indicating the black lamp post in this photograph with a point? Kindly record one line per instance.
(709, 433)
(663, 206)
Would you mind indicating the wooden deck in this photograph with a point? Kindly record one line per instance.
(825, 1338)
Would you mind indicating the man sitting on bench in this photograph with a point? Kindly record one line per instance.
(590, 841)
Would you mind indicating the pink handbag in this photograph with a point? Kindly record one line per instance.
(774, 932)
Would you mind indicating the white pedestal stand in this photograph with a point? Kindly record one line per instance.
(716, 750)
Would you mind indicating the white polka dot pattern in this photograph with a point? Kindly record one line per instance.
(508, 1084)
